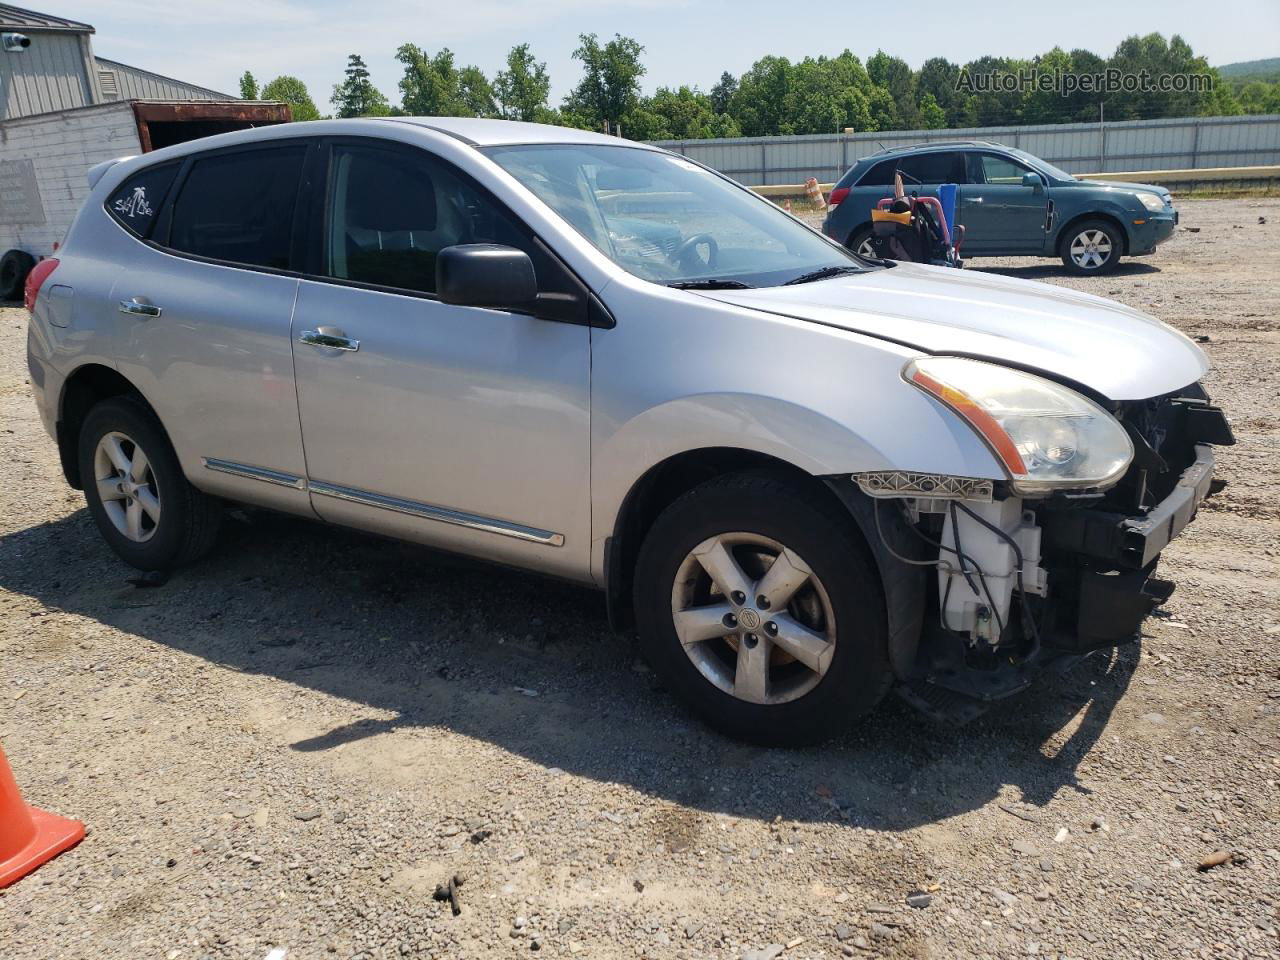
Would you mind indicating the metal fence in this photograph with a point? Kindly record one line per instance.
(1174, 144)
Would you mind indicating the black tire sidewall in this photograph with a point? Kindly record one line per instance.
(831, 545)
(858, 237)
(133, 420)
(1117, 245)
(14, 267)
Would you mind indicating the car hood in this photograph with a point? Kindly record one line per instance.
(1117, 351)
(1127, 187)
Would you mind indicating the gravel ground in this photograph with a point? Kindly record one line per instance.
(292, 744)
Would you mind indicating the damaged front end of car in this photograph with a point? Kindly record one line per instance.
(1058, 560)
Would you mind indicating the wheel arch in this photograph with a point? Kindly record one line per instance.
(1110, 217)
(886, 537)
(86, 387)
(848, 241)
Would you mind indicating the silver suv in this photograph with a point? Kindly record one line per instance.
(804, 476)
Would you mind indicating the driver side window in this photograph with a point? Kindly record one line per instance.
(391, 211)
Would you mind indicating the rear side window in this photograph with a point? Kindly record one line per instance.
(238, 207)
(917, 168)
(136, 203)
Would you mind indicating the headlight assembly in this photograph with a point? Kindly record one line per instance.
(1047, 436)
(1152, 201)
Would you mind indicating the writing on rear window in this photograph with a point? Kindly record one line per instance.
(135, 205)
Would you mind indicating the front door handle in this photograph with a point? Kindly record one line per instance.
(138, 307)
(330, 337)
(975, 199)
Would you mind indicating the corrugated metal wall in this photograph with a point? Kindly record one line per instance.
(1174, 144)
(52, 74)
(132, 83)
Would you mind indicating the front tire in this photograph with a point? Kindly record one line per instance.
(758, 604)
(136, 491)
(1091, 247)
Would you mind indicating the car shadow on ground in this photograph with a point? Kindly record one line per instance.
(1045, 270)
(432, 641)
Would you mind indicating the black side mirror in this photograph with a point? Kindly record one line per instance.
(486, 275)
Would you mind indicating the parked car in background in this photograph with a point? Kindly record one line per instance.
(1010, 204)
(806, 477)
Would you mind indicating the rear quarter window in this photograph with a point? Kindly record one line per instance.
(136, 203)
(238, 207)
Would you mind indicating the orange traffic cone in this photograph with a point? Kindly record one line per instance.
(28, 837)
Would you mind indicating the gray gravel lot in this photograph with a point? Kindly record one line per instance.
(293, 743)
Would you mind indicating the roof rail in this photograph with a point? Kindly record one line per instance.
(938, 143)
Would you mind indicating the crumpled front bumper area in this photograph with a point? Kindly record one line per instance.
(1115, 586)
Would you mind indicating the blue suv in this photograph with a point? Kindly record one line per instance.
(1010, 204)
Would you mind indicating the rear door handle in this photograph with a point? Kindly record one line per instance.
(329, 337)
(975, 199)
(137, 307)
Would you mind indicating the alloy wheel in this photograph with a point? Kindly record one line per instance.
(127, 487)
(753, 618)
(1090, 249)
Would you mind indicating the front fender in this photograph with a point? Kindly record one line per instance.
(800, 436)
(1111, 208)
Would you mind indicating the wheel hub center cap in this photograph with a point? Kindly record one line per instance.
(749, 619)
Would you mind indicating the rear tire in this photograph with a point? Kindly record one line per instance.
(860, 243)
(1091, 247)
(136, 491)
(814, 661)
(14, 267)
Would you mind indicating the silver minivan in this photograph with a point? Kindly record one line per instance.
(805, 477)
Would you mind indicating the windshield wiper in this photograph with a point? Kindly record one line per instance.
(713, 284)
(822, 274)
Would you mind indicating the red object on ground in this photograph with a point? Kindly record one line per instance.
(28, 837)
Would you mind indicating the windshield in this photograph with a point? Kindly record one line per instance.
(1056, 172)
(670, 221)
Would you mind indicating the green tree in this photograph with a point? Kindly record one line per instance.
(937, 78)
(759, 105)
(610, 84)
(522, 89)
(293, 92)
(932, 116)
(248, 86)
(894, 75)
(1258, 96)
(681, 114)
(356, 96)
(434, 86)
(722, 93)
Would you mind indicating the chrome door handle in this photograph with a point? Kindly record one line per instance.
(335, 341)
(139, 308)
(975, 199)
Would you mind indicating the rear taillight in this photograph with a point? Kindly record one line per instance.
(39, 273)
(837, 196)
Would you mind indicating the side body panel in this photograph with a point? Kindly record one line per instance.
(460, 409)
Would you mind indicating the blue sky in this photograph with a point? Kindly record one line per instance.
(686, 41)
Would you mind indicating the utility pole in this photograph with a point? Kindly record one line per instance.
(1102, 136)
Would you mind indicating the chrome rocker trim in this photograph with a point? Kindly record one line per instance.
(255, 473)
(444, 515)
(412, 508)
